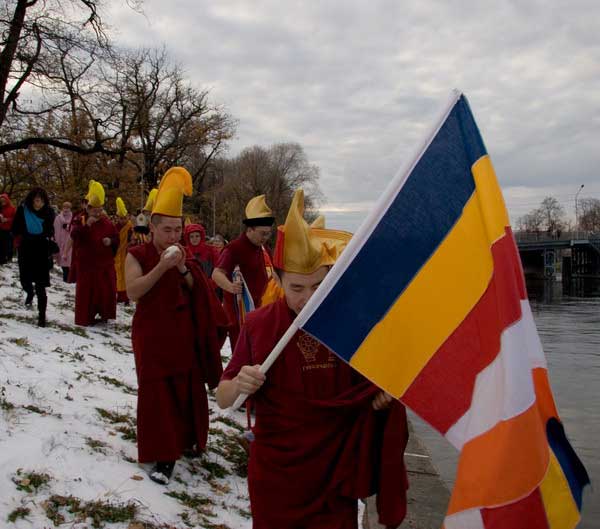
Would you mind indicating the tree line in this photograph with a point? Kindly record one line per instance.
(550, 217)
(74, 107)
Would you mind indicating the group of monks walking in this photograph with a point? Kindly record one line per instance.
(322, 438)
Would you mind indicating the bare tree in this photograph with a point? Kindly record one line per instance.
(44, 45)
(276, 171)
(553, 214)
(163, 118)
(531, 222)
(589, 216)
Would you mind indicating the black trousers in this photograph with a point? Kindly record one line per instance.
(5, 247)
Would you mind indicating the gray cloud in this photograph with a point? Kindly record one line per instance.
(358, 85)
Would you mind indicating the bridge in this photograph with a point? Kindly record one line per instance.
(569, 255)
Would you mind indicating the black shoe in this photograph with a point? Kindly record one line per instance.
(41, 320)
(161, 473)
(192, 453)
(29, 299)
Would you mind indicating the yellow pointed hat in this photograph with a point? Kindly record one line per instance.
(176, 182)
(302, 249)
(95, 195)
(258, 213)
(318, 223)
(150, 200)
(121, 209)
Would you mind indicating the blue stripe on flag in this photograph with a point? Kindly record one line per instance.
(424, 211)
(574, 471)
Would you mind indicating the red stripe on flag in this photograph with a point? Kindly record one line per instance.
(528, 513)
(442, 391)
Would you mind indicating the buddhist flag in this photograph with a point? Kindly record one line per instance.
(428, 301)
(243, 302)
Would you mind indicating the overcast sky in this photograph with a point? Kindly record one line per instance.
(359, 84)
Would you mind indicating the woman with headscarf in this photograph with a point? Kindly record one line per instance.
(62, 236)
(33, 228)
(194, 237)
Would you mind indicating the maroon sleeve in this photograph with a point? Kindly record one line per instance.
(80, 231)
(242, 356)
(114, 237)
(227, 260)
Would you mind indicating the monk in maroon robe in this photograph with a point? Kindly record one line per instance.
(248, 253)
(178, 330)
(324, 436)
(95, 243)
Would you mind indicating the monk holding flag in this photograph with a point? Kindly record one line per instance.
(324, 435)
(248, 254)
(177, 333)
(94, 245)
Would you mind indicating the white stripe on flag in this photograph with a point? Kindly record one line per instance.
(503, 389)
(534, 344)
(470, 519)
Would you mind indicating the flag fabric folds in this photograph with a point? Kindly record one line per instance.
(244, 302)
(429, 302)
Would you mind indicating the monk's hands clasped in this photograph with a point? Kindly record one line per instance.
(250, 379)
(169, 259)
(382, 400)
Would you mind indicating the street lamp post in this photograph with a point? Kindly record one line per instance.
(576, 208)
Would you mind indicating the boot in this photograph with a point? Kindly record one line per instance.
(42, 304)
(161, 473)
(29, 298)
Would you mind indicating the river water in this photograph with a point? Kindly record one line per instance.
(569, 327)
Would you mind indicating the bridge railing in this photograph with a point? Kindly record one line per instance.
(558, 235)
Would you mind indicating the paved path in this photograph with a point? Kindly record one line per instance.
(427, 496)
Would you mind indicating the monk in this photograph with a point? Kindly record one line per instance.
(94, 247)
(7, 214)
(78, 219)
(247, 253)
(324, 436)
(141, 229)
(124, 228)
(177, 333)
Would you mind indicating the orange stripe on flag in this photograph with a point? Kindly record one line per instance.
(502, 465)
(543, 394)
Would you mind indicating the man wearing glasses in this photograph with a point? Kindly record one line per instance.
(248, 255)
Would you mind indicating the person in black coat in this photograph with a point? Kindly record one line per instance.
(33, 228)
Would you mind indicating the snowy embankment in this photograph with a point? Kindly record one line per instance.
(67, 430)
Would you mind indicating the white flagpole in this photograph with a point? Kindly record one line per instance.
(273, 355)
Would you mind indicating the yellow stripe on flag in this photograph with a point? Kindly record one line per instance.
(561, 509)
(494, 212)
(433, 305)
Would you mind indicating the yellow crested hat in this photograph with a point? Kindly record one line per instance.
(258, 213)
(95, 195)
(302, 249)
(121, 209)
(150, 200)
(176, 182)
(318, 223)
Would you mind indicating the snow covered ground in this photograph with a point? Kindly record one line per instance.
(67, 430)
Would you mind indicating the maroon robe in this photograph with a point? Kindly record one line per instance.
(96, 280)
(177, 336)
(249, 257)
(318, 444)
